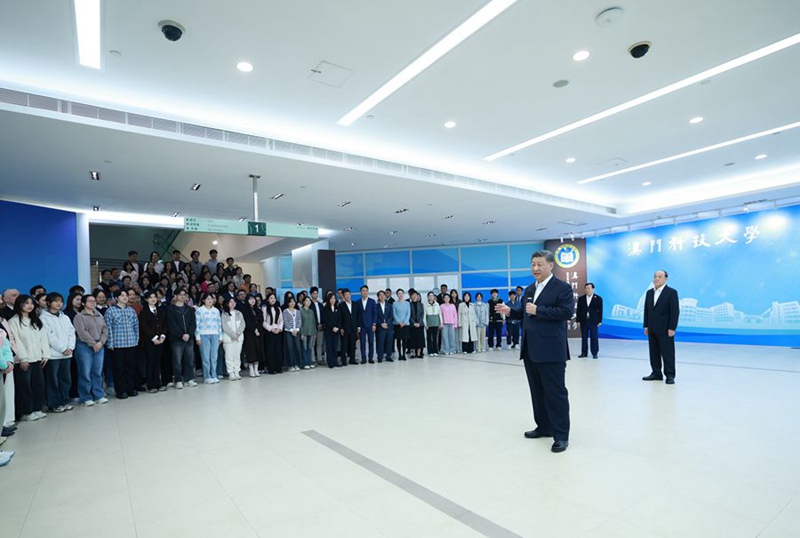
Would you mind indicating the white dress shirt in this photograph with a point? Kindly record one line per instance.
(540, 287)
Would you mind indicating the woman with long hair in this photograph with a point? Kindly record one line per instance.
(209, 328)
(330, 322)
(433, 322)
(233, 327)
(455, 301)
(482, 321)
(292, 323)
(449, 324)
(152, 335)
(73, 305)
(253, 341)
(416, 325)
(90, 327)
(128, 269)
(33, 350)
(468, 321)
(273, 341)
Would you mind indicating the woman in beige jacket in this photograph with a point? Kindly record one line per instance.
(33, 349)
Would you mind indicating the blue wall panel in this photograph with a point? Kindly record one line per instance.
(493, 279)
(520, 255)
(442, 260)
(349, 265)
(388, 263)
(40, 246)
(484, 258)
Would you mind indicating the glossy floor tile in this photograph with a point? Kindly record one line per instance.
(430, 447)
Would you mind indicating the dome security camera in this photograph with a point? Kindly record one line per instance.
(638, 50)
(172, 30)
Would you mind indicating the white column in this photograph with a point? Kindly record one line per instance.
(83, 254)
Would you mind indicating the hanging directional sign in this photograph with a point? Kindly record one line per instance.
(253, 228)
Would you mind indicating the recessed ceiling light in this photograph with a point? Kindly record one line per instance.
(244, 67)
(242, 219)
(393, 232)
(385, 246)
(431, 235)
(95, 208)
(696, 119)
(299, 223)
(761, 156)
(344, 204)
(176, 214)
(115, 53)
(646, 184)
(196, 187)
(447, 217)
(215, 242)
(557, 84)
(349, 229)
(728, 164)
(276, 196)
(581, 55)
(87, 30)
(352, 244)
(482, 240)
(450, 124)
(429, 57)
(661, 92)
(95, 176)
(490, 222)
(403, 210)
(570, 160)
(694, 152)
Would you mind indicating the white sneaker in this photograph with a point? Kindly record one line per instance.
(209, 381)
(191, 383)
(30, 418)
(69, 407)
(88, 403)
(102, 400)
(40, 414)
(111, 391)
(171, 384)
(179, 385)
(215, 380)
(5, 457)
(220, 377)
(306, 368)
(59, 409)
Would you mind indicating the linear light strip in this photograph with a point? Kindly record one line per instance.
(87, 30)
(666, 90)
(691, 153)
(477, 21)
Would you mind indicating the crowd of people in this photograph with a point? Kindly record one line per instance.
(155, 325)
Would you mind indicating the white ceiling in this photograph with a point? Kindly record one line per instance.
(497, 85)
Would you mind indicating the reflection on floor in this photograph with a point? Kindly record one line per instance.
(715, 455)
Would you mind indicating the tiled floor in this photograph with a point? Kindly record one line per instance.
(716, 455)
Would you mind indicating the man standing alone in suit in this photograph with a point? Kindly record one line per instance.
(590, 316)
(661, 310)
(549, 304)
(367, 315)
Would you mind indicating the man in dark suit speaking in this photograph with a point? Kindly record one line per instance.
(590, 316)
(549, 304)
(661, 310)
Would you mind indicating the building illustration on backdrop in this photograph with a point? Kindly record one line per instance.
(779, 315)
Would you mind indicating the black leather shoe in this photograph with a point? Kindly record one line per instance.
(364, 361)
(670, 381)
(652, 377)
(390, 359)
(594, 356)
(371, 361)
(134, 393)
(582, 356)
(559, 446)
(352, 362)
(7, 433)
(122, 396)
(536, 434)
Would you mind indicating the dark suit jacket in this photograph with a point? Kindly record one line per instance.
(330, 319)
(367, 317)
(591, 314)
(664, 315)
(387, 316)
(348, 319)
(544, 336)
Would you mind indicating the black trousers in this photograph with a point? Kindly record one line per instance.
(662, 347)
(28, 389)
(589, 330)
(124, 361)
(512, 333)
(152, 364)
(433, 340)
(330, 348)
(348, 347)
(495, 328)
(549, 397)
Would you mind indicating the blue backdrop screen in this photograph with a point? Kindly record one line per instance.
(40, 246)
(736, 277)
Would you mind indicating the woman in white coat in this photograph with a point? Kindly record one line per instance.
(232, 338)
(468, 321)
(61, 337)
